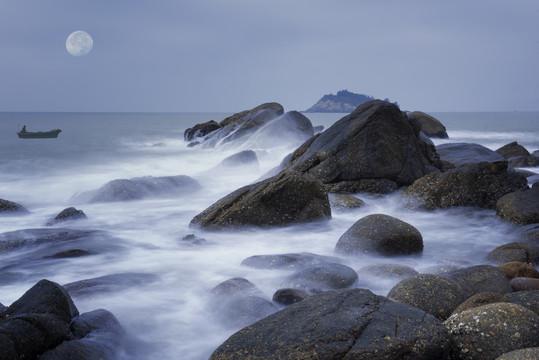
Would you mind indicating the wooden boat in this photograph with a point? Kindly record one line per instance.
(23, 134)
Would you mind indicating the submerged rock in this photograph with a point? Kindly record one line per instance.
(109, 283)
(10, 208)
(293, 261)
(382, 234)
(243, 158)
(200, 130)
(68, 214)
(345, 202)
(430, 126)
(479, 184)
(323, 277)
(521, 207)
(466, 153)
(344, 324)
(391, 271)
(375, 148)
(281, 200)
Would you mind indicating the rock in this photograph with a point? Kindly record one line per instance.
(289, 296)
(344, 202)
(281, 200)
(480, 184)
(290, 129)
(488, 331)
(480, 299)
(243, 158)
(238, 302)
(375, 148)
(515, 251)
(278, 108)
(193, 240)
(466, 153)
(69, 254)
(481, 278)
(10, 208)
(98, 336)
(430, 126)
(521, 354)
(318, 129)
(512, 149)
(140, 188)
(521, 207)
(201, 130)
(524, 161)
(513, 269)
(345, 324)
(293, 261)
(323, 277)
(434, 294)
(524, 283)
(392, 271)
(382, 234)
(109, 283)
(67, 215)
(531, 234)
(529, 299)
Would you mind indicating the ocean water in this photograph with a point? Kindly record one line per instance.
(169, 317)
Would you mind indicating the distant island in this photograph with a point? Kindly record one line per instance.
(344, 102)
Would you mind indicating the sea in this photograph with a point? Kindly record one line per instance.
(168, 315)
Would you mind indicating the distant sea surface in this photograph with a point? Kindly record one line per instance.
(171, 315)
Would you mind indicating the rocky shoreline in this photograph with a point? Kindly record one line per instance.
(469, 312)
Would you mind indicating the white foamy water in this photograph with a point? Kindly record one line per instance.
(169, 317)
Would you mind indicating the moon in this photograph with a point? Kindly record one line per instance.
(79, 43)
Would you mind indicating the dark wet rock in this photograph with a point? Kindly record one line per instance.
(524, 283)
(67, 215)
(193, 144)
(289, 296)
(200, 130)
(479, 184)
(193, 240)
(515, 251)
(513, 269)
(508, 326)
(531, 234)
(323, 277)
(441, 269)
(524, 161)
(521, 354)
(287, 261)
(344, 202)
(381, 234)
(238, 117)
(481, 278)
(529, 299)
(345, 324)
(238, 302)
(140, 188)
(393, 271)
(375, 148)
(98, 336)
(480, 299)
(430, 126)
(109, 283)
(10, 208)
(512, 149)
(434, 294)
(521, 207)
(281, 200)
(291, 129)
(69, 254)
(466, 153)
(243, 158)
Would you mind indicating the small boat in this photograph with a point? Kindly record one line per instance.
(23, 134)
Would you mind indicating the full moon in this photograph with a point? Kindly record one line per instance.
(79, 43)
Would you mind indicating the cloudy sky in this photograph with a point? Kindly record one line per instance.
(230, 55)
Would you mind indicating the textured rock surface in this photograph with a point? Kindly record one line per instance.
(522, 354)
(480, 299)
(281, 200)
(10, 208)
(466, 153)
(481, 278)
(480, 184)
(382, 234)
(323, 277)
(345, 324)
(515, 251)
(287, 261)
(430, 126)
(67, 214)
(521, 207)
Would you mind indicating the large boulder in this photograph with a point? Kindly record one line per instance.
(375, 148)
(140, 188)
(528, 298)
(381, 234)
(466, 153)
(521, 207)
(515, 251)
(512, 149)
(430, 126)
(238, 117)
(488, 331)
(201, 130)
(10, 208)
(281, 200)
(343, 324)
(478, 184)
(323, 277)
(481, 278)
(434, 294)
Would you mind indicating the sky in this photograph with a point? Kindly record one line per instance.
(232, 55)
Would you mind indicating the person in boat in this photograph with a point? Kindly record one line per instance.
(23, 129)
